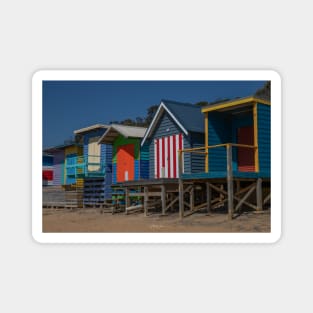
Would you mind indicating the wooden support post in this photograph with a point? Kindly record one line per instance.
(259, 200)
(145, 200)
(163, 199)
(208, 197)
(237, 186)
(206, 141)
(192, 198)
(181, 198)
(127, 199)
(230, 187)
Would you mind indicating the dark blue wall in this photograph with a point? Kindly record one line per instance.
(264, 137)
(220, 131)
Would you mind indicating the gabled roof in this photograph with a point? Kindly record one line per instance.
(115, 130)
(89, 128)
(187, 116)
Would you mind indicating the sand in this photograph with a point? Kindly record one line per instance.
(92, 220)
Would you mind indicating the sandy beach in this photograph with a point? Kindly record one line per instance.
(91, 220)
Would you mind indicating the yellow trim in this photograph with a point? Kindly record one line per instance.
(256, 144)
(206, 132)
(234, 103)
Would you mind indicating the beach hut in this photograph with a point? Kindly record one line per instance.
(47, 170)
(175, 126)
(246, 125)
(129, 162)
(237, 155)
(95, 164)
(63, 158)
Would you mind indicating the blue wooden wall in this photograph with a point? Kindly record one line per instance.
(197, 160)
(264, 137)
(220, 131)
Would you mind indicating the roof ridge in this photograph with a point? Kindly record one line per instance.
(177, 102)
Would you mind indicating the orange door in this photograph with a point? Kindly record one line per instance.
(246, 155)
(125, 162)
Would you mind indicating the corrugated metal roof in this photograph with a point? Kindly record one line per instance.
(189, 115)
(127, 131)
(60, 147)
(89, 128)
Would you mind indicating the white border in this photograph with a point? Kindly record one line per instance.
(276, 141)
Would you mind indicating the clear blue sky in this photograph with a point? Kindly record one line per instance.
(71, 105)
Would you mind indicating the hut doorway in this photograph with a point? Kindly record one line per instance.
(125, 162)
(245, 136)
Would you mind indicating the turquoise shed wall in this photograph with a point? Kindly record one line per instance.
(264, 137)
(144, 161)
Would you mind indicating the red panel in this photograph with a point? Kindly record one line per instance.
(245, 136)
(174, 156)
(47, 174)
(125, 162)
(157, 158)
(169, 156)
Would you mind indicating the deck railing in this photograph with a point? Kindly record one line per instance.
(85, 166)
(205, 151)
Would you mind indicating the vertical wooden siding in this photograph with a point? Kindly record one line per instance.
(264, 137)
(144, 161)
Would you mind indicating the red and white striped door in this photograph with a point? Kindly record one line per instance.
(166, 156)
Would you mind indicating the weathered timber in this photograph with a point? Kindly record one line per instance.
(208, 197)
(242, 200)
(230, 190)
(163, 199)
(145, 201)
(259, 202)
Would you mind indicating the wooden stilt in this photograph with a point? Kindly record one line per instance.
(230, 190)
(181, 198)
(163, 199)
(192, 198)
(208, 197)
(259, 201)
(127, 199)
(145, 200)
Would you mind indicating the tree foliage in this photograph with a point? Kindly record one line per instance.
(264, 92)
